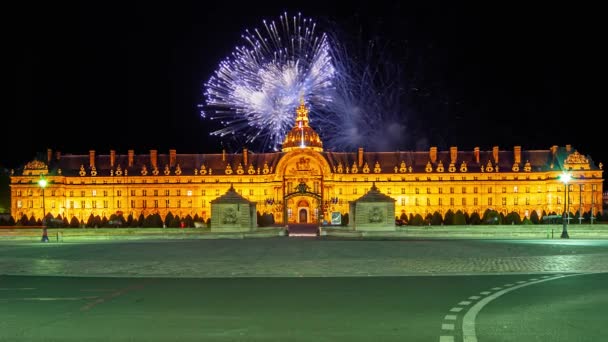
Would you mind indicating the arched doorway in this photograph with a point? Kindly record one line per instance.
(303, 216)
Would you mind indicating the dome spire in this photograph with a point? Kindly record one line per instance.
(302, 135)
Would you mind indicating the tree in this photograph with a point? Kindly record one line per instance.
(534, 217)
(448, 218)
(459, 219)
(168, 219)
(436, 220)
(74, 223)
(417, 220)
(475, 219)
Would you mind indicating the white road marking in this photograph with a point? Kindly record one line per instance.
(450, 317)
(521, 282)
(533, 279)
(456, 309)
(446, 326)
(496, 288)
(464, 302)
(507, 285)
(474, 297)
(446, 338)
(485, 293)
(468, 322)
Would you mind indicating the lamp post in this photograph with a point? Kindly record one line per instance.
(565, 178)
(42, 183)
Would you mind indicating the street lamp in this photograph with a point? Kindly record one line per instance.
(565, 178)
(42, 183)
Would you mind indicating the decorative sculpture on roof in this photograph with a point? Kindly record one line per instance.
(239, 169)
(365, 168)
(377, 168)
(440, 166)
(402, 167)
(354, 169)
(463, 166)
(429, 167)
(576, 161)
(178, 170)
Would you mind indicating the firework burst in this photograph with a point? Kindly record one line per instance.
(255, 91)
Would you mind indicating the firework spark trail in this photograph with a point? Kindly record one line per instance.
(254, 92)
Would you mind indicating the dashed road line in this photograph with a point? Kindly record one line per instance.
(447, 326)
(450, 317)
(468, 321)
(464, 302)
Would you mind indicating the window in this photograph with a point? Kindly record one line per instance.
(18, 193)
(204, 203)
(452, 201)
(428, 201)
(559, 200)
(515, 189)
(217, 192)
(451, 190)
(178, 192)
(132, 192)
(179, 203)
(388, 191)
(155, 203)
(440, 201)
(168, 192)
(339, 191)
(71, 194)
(265, 191)
(475, 190)
(144, 203)
(118, 192)
(464, 201)
(94, 193)
(354, 191)
(105, 204)
(155, 192)
(504, 189)
(527, 189)
(105, 193)
(527, 200)
(464, 190)
(132, 203)
(428, 190)
(403, 191)
(118, 204)
(489, 190)
(250, 192)
(82, 194)
(144, 192)
(166, 203)
(82, 204)
(490, 201)
(189, 193)
(52, 192)
(402, 201)
(416, 202)
(19, 204)
(440, 190)
(475, 201)
(515, 201)
(417, 191)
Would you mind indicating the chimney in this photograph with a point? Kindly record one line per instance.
(49, 155)
(433, 154)
(57, 155)
(172, 154)
(517, 152)
(245, 156)
(495, 154)
(154, 159)
(131, 153)
(568, 148)
(224, 155)
(476, 154)
(360, 157)
(112, 158)
(91, 158)
(453, 154)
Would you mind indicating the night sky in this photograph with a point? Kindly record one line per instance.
(129, 75)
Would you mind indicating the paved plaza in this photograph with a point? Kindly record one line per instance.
(301, 257)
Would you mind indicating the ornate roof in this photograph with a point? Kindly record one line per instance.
(374, 195)
(231, 196)
(302, 135)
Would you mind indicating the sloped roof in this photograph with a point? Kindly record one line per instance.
(374, 195)
(231, 196)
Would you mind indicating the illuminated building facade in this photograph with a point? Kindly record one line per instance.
(304, 183)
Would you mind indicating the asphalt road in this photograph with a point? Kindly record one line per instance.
(571, 308)
(306, 289)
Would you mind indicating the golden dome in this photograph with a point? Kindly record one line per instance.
(302, 135)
